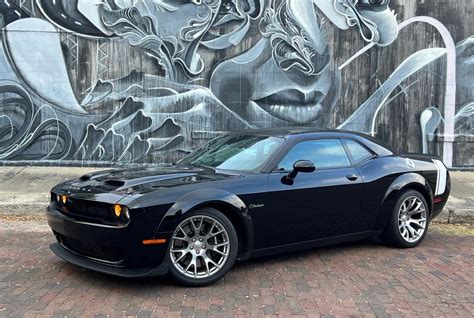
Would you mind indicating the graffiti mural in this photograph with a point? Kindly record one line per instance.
(132, 81)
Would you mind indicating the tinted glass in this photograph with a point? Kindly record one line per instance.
(324, 153)
(235, 152)
(359, 153)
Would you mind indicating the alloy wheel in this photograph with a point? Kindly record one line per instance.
(200, 247)
(412, 217)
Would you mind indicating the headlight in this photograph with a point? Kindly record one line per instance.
(121, 211)
(61, 198)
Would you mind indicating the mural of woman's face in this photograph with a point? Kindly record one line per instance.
(286, 78)
(196, 68)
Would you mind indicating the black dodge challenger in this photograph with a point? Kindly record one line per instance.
(243, 195)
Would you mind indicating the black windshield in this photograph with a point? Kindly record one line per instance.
(235, 152)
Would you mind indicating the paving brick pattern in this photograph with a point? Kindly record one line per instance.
(363, 279)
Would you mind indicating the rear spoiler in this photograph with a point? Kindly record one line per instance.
(420, 156)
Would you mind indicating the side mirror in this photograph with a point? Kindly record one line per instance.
(303, 166)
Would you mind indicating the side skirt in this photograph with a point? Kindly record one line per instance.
(314, 243)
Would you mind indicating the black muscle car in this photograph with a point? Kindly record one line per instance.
(243, 195)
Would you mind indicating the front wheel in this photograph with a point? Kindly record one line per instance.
(203, 248)
(408, 222)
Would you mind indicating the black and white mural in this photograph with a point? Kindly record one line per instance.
(131, 81)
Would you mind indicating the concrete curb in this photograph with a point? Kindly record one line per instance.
(453, 216)
(24, 191)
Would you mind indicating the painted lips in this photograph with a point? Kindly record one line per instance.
(293, 105)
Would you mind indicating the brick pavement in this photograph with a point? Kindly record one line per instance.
(363, 279)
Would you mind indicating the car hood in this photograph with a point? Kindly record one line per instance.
(143, 180)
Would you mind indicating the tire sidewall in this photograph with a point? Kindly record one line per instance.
(234, 247)
(393, 231)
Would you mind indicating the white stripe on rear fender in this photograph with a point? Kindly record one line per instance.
(441, 177)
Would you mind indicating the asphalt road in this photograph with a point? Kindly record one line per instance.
(361, 279)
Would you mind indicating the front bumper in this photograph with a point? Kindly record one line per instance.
(113, 250)
(84, 262)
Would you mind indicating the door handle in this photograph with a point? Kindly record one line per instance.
(352, 177)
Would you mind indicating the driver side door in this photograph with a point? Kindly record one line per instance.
(317, 205)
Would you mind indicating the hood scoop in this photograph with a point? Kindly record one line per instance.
(115, 183)
(85, 177)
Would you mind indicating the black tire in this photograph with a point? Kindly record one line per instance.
(181, 277)
(392, 234)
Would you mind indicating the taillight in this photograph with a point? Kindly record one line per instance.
(437, 200)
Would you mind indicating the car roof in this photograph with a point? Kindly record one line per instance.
(301, 132)
(291, 131)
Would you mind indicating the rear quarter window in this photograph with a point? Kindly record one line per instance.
(358, 152)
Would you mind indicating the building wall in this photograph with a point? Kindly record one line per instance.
(150, 80)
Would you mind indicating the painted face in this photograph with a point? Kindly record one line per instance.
(293, 52)
(287, 77)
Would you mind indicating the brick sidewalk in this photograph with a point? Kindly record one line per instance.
(364, 279)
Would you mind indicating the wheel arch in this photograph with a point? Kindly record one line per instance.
(244, 230)
(424, 192)
(402, 183)
(225, 202)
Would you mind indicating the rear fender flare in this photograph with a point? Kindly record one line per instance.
(402, 182)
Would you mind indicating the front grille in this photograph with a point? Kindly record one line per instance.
(90, 209)
(110, 255)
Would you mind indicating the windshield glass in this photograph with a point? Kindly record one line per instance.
(235, 152)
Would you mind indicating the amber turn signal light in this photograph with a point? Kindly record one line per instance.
(154, 241)
(61, 199)
(118, 210)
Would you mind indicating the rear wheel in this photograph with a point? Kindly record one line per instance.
(408, 222)
(203, 248)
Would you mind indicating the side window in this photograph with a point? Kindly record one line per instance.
(324, 153)
(358, 152)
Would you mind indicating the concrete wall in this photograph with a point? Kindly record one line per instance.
(150, 80)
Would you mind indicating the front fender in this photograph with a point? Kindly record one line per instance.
(211, 198)
(407, 180)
